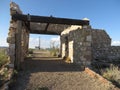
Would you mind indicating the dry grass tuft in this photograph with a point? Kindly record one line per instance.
(67, 59)
(112, 74)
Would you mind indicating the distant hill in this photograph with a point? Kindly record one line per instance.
(3, 47)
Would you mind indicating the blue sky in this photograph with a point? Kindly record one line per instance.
(103, 14)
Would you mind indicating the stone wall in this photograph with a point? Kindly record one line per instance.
(114, 53)
(81, 44)
(101, 47)
(78, 48)
(85, 45)
(100, 43)
(18, 38)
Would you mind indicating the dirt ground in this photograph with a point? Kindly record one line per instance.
(47, 73)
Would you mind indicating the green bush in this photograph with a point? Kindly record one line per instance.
(3, 58)
(54, 51)
(31, 51)
(112, 74)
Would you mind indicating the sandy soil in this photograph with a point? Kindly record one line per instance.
(54, 74)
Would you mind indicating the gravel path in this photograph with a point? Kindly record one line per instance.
(54, 74)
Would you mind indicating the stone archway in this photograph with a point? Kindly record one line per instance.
(18, 38)
(83, 42)
(22, 25)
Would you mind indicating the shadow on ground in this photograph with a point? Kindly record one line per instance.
(49, 64)
(41, 64)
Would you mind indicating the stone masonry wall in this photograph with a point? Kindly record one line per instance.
(100, 43)
(18, 38)
(62, 39)
(79, 45)
(113, 53)
(101, 47)
(12, 31)
(63, 36)
(86, 44)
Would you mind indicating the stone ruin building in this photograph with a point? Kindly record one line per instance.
(79, 41)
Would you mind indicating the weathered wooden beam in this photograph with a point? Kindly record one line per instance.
(46, 27)
(52, 20)
(18, 47)
(43, 32)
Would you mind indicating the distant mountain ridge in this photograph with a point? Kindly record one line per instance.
(3, 47)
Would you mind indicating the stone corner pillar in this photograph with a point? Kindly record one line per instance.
(14, 8)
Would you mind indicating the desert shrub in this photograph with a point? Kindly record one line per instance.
(112, 74)
(67, 59)
(30, 51)
(3, 58)
(5, 73)
(54, 52)
(42, 88)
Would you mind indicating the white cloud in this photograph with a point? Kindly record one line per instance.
(45, 43)
(56, 41)
(115, 43)
(33, 42)
(3, 42)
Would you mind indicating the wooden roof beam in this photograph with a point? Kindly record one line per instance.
(52, 20)
(43, 32)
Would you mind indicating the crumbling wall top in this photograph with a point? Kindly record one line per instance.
(14, 8)
(71, 28)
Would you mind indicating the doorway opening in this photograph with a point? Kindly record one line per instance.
(44, 45)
